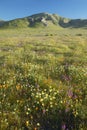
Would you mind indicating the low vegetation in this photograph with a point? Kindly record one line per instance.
(43, 79)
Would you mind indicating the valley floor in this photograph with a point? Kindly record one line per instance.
(43, 79)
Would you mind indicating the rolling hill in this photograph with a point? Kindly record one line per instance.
(44, 20)
(1, 22)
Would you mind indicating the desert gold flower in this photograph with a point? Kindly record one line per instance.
(27, 123)
(27, 113)
(29, 109)
(36, 108)
(41, 100)
(38, 124)
(18, 87)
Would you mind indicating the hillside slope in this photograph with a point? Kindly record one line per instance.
(44, 20)
(1, 22)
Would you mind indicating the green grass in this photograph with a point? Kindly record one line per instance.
(43, 79)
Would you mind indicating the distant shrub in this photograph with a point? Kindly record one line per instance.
(49, 34)
(79, 34)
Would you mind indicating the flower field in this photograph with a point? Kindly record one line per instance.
(43, 79)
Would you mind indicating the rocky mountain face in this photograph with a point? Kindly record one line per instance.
(44, 20)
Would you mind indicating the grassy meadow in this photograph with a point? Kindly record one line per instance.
(43, 79)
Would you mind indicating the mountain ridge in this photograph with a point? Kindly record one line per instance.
(44, 20)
